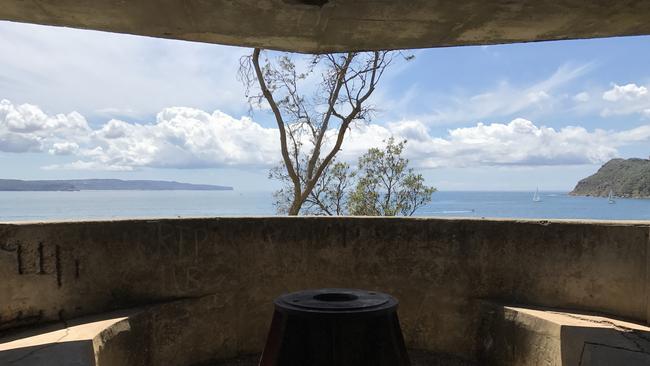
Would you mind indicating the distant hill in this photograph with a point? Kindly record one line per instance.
(102, 184)
(625, 177)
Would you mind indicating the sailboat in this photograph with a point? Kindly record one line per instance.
(536, 197)
(610, 198)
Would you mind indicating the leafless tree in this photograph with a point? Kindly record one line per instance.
(312, 127)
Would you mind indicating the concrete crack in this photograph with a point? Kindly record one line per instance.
(54, 343)
(631, 334)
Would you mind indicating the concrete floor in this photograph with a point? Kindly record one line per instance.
(418, 358)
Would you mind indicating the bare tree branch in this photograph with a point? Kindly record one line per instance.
(279, 120)
(305, 123)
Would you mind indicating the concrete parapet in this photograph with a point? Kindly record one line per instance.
(440, 270)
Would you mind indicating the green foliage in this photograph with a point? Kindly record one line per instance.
(625, 178)
(382, 185)
(386, 186)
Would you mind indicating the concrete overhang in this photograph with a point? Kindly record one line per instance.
(336, 25)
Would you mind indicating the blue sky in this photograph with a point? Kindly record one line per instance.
(79, 104)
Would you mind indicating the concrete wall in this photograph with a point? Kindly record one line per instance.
(516, 336)
(439, 269)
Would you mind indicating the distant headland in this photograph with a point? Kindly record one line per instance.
(628, 178)
(103, 185)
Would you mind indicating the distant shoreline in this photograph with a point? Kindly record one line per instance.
(72, 185)
(122, 190)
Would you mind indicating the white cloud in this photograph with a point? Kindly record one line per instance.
(104, 75)
(626, 99)
(63, 148)
(638, 134)
(519, 142)
(26, 128)
(180, 138)
(183, 138)
(87, 165)
(581, 97)
(190, 138)
(625, 92)
(506, 99)
(538, 96)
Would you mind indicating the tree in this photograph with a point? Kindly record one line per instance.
(329, 196)
(381, 185)
(308, 124)
(386, 186)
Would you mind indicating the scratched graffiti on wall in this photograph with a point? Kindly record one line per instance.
(40, 258)
(117, 265)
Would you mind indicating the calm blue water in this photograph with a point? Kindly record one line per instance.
(21, 206)
(554, 205)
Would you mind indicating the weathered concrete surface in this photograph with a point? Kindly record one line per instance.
(305, 26)
(439, 269)
(62, 344)
(182, 332)
(523, 336)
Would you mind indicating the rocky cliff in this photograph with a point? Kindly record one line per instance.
(625, 177)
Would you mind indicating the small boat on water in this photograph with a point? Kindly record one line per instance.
(536, 197)
(610, 198)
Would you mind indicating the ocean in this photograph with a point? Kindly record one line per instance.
(94, 205)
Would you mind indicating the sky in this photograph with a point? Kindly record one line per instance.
(87, 104)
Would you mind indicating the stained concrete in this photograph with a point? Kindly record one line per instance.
(180, 332)
(232, 268)
(63, 344)
(519, 336)
(142, 336)
(338, 25)
(509, 335)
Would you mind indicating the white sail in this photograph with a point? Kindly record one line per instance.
(610, 198)
(536, 197)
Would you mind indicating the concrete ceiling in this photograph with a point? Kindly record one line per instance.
(338, 25)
